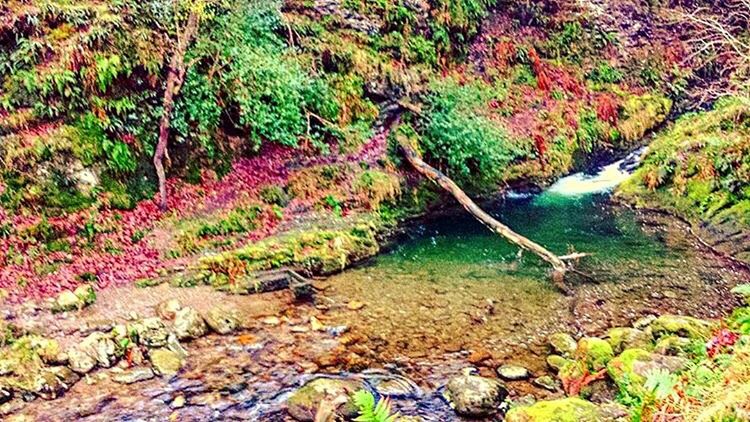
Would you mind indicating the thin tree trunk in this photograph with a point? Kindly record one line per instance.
(175, 78)
(559, 268)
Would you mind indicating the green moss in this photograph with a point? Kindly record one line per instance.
(698, 168)
(683, 326)
(594, 352)
(315, 251)
(570, 409)
(621, 370)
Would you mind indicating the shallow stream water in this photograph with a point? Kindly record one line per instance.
(448, 296)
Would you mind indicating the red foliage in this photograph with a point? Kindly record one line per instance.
(607, 109)
(573, 386)
(543, 80)
(505, 53)
(721, 339)
(116, 256)
(541, 146)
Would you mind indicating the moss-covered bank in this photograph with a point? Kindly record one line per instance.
(699, 168)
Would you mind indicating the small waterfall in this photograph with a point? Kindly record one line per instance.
(604, 180)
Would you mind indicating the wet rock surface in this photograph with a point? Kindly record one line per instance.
(472, 395)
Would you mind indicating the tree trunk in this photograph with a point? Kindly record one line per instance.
(559, 268)
(175, 78)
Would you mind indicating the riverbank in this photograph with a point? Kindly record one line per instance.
(697, 169)
(469, 304)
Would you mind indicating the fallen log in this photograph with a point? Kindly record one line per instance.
(559, 268)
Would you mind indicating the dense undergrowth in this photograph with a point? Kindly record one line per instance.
(271, 91)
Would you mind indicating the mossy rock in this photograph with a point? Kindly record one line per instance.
(303, 405)
(621, 338)
(630, 369)
(572, 409)
(594, 352)
(563, 344)
(557, 362)
(683, 326)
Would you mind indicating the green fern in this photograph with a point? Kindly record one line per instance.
(660, 382)
(369, 411)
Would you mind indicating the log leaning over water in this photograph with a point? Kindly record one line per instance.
(559, 268)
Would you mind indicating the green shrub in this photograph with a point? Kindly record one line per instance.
(459, 139)
(274, 195)
(604, 73)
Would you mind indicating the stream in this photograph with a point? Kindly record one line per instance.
(448, 296)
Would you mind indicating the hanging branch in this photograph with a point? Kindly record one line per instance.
(559, 267)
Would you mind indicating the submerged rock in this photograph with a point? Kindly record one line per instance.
(221, 320)
(571, 409)
(513, 372)
(134, 375)
(563, 344)
(472, 395)
(188, 324)
(165, 361)
(334, 393)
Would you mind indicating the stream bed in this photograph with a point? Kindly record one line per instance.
(450, 295)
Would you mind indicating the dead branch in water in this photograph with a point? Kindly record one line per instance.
(559, 267)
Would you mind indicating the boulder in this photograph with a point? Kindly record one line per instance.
(682, 326)
(334, 393)
(86, 294)
(134, 375)
(221, 320)
(165, 362)
(563, 344)
(101, 347)
(630, 369)
(151, 332)
(188, 324)
(594, 352)
(53, 382)
(472, 395)
(572, 409)
(80, 362)
(621, 338)
(67, 301)
(168, 309)
(513, 372)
